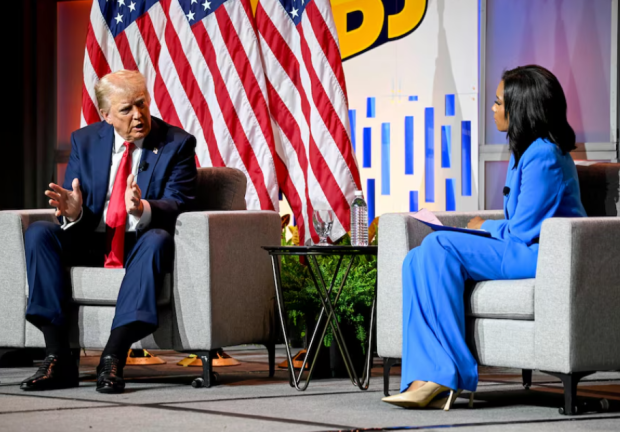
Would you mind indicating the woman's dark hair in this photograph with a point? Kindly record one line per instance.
(535, 107)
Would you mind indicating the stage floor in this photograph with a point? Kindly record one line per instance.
(161, 398)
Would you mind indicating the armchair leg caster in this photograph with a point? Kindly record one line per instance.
(527, 378)
(208, 378)
(271, 355)
(570, 382)
(200, 382)
(388, 362)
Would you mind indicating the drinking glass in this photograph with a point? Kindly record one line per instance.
(323, 221)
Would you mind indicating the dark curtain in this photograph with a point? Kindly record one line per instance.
(28, 154)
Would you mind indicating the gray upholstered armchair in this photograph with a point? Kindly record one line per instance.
(219, 294)
(564, 322)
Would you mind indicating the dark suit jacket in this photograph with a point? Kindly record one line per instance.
(167, 178)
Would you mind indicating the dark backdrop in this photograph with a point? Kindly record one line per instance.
(28, 157)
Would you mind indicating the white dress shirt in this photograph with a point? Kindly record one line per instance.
(133, 222)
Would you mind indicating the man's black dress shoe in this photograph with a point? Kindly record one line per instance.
(55, 372)
(110, 375)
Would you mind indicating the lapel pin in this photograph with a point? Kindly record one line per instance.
(155, 150)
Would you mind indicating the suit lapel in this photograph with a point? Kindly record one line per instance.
(150, 155)
(510, 176)
(102, 159)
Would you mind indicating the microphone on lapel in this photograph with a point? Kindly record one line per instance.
(506, 190)
(143, 166)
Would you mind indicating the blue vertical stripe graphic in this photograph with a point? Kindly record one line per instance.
(413, 98)
(413, 201)
(409, 145)
(450, 106)
(367, 157)
(370, 107)
(280, 195)
(466, 158)
(352, 123)
(446, 146)
(370, 193)
(429, 154)
(385, 158)
(450, 199)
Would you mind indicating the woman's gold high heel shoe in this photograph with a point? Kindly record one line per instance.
(446, 402)
(420, 397)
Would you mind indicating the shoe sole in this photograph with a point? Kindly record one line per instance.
(110, 390)
(26, 387)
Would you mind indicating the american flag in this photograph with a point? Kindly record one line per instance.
(308, 103)
(201, 60)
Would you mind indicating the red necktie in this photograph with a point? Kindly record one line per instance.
(116, 217)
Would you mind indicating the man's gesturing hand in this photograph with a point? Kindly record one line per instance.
(68, 203)
(133, 197)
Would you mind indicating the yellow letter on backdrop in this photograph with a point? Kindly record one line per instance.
(355, 41)
(407, 19)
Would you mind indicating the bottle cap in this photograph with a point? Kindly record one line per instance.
(359, 193)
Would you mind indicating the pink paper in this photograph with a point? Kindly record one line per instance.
(427, 216)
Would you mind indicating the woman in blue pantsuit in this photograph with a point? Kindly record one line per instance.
(541, 183)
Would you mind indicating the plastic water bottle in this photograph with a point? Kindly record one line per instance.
(359, 220)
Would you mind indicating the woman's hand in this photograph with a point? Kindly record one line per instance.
(475, 223)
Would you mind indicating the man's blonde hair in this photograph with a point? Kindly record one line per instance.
(119, 81)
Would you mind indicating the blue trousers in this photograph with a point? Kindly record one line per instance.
(50, 251)
(434, 276)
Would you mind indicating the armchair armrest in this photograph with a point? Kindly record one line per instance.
(577, 295)
(222, 275)
(398, 234)
(13, 281)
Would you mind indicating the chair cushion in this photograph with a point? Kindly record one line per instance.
(100, 286)
(501, 299)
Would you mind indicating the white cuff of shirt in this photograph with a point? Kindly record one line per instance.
(144, 220)
(66, 224)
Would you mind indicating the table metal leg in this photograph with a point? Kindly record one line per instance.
(281, 311)
(320, 318)
(325, 294)
(332, 320)
(294, 380)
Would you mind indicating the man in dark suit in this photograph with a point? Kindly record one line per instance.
(127, 180)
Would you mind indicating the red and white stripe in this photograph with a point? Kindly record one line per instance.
(206, 78)
(308, 103)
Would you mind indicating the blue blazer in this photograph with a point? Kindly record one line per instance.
(167, 177)
(544, 184)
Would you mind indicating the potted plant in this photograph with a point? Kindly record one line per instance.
(353, 308)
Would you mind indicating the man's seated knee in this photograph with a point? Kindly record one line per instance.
(157, 240)
(41, 230)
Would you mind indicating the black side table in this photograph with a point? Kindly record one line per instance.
(328, 304)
